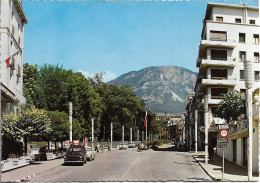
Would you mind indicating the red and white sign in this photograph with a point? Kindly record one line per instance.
(76, 142)
(224, 133)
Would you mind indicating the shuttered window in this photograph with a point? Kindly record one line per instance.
(219, 19)
(218, 54)
(218, 36)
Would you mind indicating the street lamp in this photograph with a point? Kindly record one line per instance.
(249, 84)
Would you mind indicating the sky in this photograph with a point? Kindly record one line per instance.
(114, 37)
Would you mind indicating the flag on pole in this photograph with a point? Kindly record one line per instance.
(145, 122)
(7, 61)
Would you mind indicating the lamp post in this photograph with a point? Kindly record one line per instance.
(249, 84)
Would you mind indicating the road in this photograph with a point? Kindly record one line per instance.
(129, 165)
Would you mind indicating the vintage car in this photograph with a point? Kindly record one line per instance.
(76, 154)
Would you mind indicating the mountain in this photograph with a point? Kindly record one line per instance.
(164, 88)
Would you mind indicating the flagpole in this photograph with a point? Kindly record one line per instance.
(146, 129)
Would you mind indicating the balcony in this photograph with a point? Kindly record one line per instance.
(217, 43)
(223, 43)
(219, 82)
(207, 62)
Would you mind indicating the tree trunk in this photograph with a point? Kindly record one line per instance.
(25, 144)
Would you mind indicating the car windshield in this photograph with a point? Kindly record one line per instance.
(75, 149)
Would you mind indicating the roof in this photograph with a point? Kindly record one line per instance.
(19, 8)
(232, 6)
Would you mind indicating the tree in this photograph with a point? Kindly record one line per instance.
(232, 105)
(34, 124)
(33, 91)
(60, 126)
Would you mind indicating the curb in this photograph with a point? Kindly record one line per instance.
(212, 177)
(25, 178)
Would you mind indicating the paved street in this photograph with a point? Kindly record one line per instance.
(125, 165)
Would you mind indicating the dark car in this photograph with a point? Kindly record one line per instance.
(181, 146)
(76, 154)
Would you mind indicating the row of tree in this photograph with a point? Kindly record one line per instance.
(49, 89)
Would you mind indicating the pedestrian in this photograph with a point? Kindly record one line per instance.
(211, 153)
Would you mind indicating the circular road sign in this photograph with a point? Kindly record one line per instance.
(224, 133)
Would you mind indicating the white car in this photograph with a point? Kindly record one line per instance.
(131, 145)
(122, 146)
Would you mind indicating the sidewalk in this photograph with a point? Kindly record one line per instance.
(232, 172)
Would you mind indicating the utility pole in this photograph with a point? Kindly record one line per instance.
(196, 126)
(70, 119)
(0, 131)
(111, 135)
(137, 135)
(142, 135)
(123, 134)
(249, 84)
(131, 135)
(206, 127)
(92, 133)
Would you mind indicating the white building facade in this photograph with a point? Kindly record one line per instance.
(230, 35)
(12, 24)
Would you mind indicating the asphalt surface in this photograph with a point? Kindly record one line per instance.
(128, 165)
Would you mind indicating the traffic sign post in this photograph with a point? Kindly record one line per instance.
(222, 143)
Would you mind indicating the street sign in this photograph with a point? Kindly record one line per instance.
(222, 140)
(222, 144)
(224, 133)
(223, 126)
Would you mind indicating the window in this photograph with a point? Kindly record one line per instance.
(242, 74)
(252, 22)
(218, 92)
(213, 111)
(242, 55)
(218, 54)
(256, 38)
(257, 76)
(242, 37)
(219, 19)
(238, 20)
(19, 41)
(256, 56)
(218, 73)
(218, 36)
(242, 90)
(13, 30)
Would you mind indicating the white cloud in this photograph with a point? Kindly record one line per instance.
(108, 76)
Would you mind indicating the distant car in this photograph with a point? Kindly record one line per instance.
(173, 142)
(35, 152)
(76, 154)
(122, 146)
(181, 146)
(131, 145)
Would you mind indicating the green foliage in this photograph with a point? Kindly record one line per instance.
(60, 126)
(233, 104)
(77, 130)
(34, 123)
(33, 91)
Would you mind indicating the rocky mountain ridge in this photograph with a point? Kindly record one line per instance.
(164, 88)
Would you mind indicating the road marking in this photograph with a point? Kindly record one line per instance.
(128, 170)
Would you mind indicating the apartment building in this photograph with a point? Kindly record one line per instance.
(230, 35)
(12, 24)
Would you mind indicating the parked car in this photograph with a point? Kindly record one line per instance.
(181, 146)
(122, 146)
(131, 145)
(76, 154)
(35, 152)
(173, 142)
